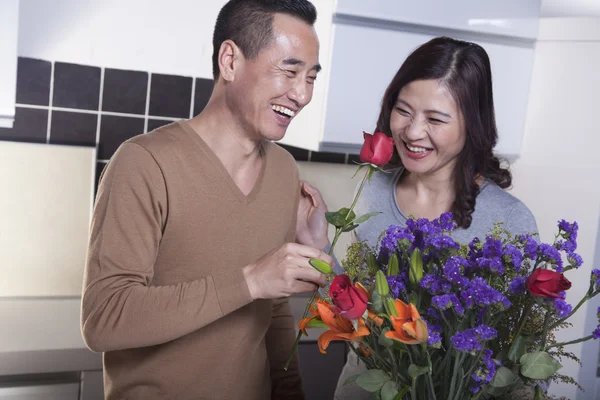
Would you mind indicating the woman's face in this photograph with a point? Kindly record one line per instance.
(428, 128)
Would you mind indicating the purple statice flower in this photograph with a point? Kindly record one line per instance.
(479, 293)
(447, 221)
(530, 246)
(435, 333)
(569, 246)
(575, 259)
(492, 247)
(389, 242)
(596, 278)
(562, 307)
(493, 264)
(435, 285)
(470, 340)
(485, 372)
(550, 254)
(518, 285)
(397, 285)
(596, 333)
(568, 231)
(452, 271)
(514, 256)
(446, 301)
(441, 242)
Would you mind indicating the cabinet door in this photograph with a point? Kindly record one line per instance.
(66, 391)
(366, 58)
(320, 372)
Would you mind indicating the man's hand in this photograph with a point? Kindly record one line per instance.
(311, 225)
(285, 271)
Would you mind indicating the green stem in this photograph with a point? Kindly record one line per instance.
(585, 298)
(546, 326)
(583, 339)
(430, 379)
(522, 323)
(457, 362)
(362, 184)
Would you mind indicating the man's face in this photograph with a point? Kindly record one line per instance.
(269, 91)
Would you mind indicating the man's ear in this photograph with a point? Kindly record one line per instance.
(230, 57)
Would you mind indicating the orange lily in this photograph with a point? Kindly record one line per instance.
(340, 328)
(409, 327)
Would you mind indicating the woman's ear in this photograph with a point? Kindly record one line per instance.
(229, 59)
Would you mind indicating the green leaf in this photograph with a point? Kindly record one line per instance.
(347, 214)
(504, 377)
(389, 391)
(376, 303)
(358, 170)
(414, 371)
(372, 380)
(384, 340)
(351, 379)
(335, 219)
(365, 218)
(349, 228)
(517, 349)
(539, 365)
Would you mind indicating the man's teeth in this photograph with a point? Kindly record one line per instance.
(284, 110)
(417, 149)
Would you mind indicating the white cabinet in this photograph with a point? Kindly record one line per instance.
(365, 60)
(369, 41)
(9, 21)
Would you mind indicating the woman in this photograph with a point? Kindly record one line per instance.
(439, 109)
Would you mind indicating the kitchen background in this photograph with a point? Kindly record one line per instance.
(78, 77)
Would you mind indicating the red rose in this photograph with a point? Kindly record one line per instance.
(547, 283)
(350, 301)
(377, 149)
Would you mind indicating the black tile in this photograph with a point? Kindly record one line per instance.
(30, 126)
(73, 128)
(298, 153)
(125, 91)
(353, 159)
(337, 158)
(114, 131)
(202, 93)
(99, 168)
(157, 123)
(33, 81)
(170, 96)
(76, 86)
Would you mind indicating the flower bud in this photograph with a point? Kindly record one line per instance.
(393, 269)
(416, 267)
(381, 284)
(390, 306)
(372, 263)
(321, 266)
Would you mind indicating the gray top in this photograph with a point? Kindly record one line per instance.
(492, 205)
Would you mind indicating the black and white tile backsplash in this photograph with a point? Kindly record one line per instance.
(79, 105)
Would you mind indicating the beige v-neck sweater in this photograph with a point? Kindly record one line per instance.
(164, 295)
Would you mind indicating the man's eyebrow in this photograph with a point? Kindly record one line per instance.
(295, 61)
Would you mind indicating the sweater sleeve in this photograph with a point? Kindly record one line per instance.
(280, 339)
(120, 307)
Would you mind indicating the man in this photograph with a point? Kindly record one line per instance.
(192, 249)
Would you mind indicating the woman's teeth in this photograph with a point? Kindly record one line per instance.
(284, 110)
(417, 149)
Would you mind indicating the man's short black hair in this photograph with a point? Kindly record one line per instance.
(249, 23)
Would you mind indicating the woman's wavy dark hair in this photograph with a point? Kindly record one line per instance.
(464, 69)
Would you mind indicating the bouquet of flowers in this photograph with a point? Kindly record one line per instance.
(435, 319)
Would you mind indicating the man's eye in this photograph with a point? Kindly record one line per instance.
(291, 72)
(312, 79)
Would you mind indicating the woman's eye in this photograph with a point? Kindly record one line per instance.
(403, 111)
(436, 121)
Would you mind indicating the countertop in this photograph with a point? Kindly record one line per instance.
(42, 335)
